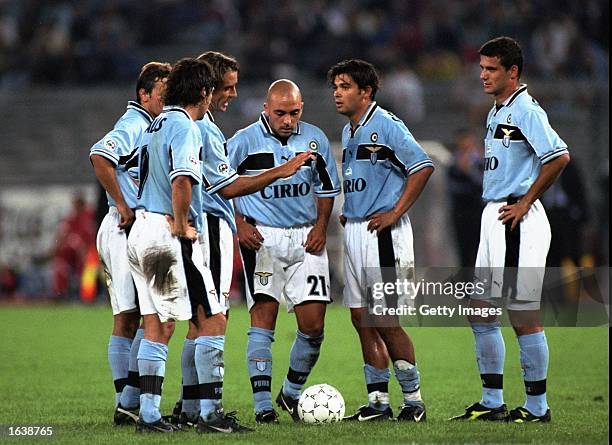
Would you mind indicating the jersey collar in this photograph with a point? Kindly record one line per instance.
(210, 117)
(133, 105)
(263, 122)
(176, 108)
(522, 88)
(365, 119)
(367, 116)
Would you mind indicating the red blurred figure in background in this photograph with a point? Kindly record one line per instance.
(76, 234)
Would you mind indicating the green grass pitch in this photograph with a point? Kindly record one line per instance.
(54, 371)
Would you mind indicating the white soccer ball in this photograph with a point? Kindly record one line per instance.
(321, 404)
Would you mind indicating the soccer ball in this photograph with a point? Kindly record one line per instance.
(321, 404)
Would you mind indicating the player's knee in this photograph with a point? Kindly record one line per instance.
(356, 319)
(313, 329)
(126, 324)
(167, 329)
(391, 334)
(263, 314)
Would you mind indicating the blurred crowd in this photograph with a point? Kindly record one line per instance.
(95, 41)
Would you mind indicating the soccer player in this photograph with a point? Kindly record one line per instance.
(384, 170)
(282, 232)
(523, 157)
(113, 157)
(218, 252)
(162, 259)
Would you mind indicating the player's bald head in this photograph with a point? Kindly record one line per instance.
(284, 89)
(283, 107)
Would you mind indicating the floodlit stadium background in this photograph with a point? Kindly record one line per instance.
(67, 69)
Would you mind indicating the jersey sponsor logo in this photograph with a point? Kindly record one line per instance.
(374, 137)
(490, 163)
(509, 119)
(264, 277)
(354, 185)
(313, 146)
(110, 144)
(285, 190)
(223, 168)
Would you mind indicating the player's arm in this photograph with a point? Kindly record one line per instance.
(245, 185)
(412, 190)
(548, 175)
(106, 173)
(315, 241)
(181, 199)
(248, 235)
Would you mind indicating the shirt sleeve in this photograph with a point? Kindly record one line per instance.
(236, 150)
(185, 148)
(217, 171)
(407, 154)
(326, 182)
(118, 145)
(541, 136)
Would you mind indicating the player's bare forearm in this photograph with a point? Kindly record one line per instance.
(181, 199)
(245, 185)
(412, 191)
(317, 237)
(414, 186)
(548, 175)
(107, 176)
(324, 210)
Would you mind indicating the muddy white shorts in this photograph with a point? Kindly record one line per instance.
(111, 243)
(371, 258)
(169, 272)
(282, 267)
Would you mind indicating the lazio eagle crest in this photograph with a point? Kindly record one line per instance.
(263, 277)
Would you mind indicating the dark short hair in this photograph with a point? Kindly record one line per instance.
(506, 49)
(186, 80)
(363, 73)
(149, 74)
(220, 64)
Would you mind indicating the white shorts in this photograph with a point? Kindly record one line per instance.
(169, 273)
(367, 254)
(282, 267)
(111, 243)
(218, 253)
(513, 262)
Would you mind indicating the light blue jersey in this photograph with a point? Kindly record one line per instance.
(518, 142)
(215, 151)
(119, 147)
(377, 158)
(170, 147)
(286, 202)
